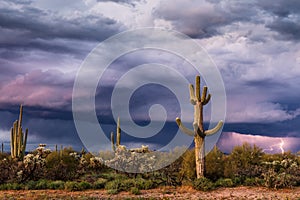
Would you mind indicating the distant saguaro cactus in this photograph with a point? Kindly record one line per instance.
(18, 138)
(199, 133)
(112, 138)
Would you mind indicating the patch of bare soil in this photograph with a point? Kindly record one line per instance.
(160, 193)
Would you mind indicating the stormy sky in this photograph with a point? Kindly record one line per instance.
(255, 45)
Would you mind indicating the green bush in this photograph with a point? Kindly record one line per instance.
(224, 182)
(253, 182)
(84, 185)
(144, 184)
(100, 183)
(188, 165)
(56, 185)
(114, 176)
(214, 164)
(113, 191)
(135, 191)
(11, 186)
(203, 184)
(120, 185)
(114, 185)
(61, 166)
(237, 181)
(72, 186)
(127, 184)
(41, 184)
(30, 185)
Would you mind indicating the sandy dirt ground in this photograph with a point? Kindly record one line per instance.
(161, 193)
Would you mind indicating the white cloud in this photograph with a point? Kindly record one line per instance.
(265, 112)
(4, 135)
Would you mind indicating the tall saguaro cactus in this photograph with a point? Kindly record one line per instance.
(18, 138)
(118, 142)
(199, 133)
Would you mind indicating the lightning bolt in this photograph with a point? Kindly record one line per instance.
(279, 145)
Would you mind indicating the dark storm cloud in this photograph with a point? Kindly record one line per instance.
(202, 19)
(279, 129)
(11, 50)
(41, 24)
(280, 8)
(288, 30)
(26, 2)
(286, 17)
(26, 27)
(41, 130)
(120, 1)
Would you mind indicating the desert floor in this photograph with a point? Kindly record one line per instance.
(160, 193)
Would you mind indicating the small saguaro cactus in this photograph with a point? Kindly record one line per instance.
(112, 138)
(2, 148)
(18, 138)
(199, 133)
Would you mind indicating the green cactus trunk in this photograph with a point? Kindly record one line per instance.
(118, 142)
(112, 139)
(118, 139)
(18, 138)
(199, 133)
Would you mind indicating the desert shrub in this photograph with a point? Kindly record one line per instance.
(114, 185)
(127, 184)
(237, 181)
(113, 191)
(72, 186)
(135, 191)
(224, 182)
(56, 185)
(12, 186)
(144, 184)
(61, 166)
(278, 180)
(203, 184)
(253, 181)
(171, 175)
(41, 184)
(30, 185)
(9, 168)
(100, 183)
(84, 185)
(214, 164)
(114, 176)
(188, 165)
(244, 161)
(281, 173)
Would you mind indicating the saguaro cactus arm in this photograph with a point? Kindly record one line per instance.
(205, 98)
(192, 95)
(215, 129)
(183, 128)
(25, 140)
